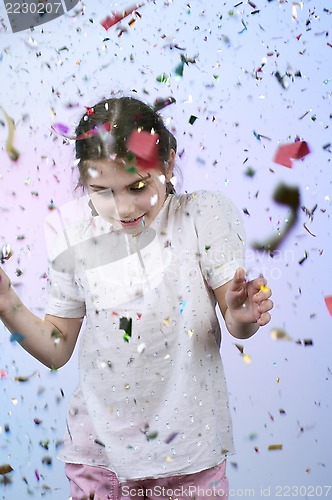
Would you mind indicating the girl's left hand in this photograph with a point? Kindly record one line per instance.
(249, 301)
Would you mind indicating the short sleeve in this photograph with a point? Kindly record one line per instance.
(65, 295)
(221, 237)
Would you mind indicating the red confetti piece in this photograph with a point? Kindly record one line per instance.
(328, 302)
(116, 17)
(90, 111)
(286, 152)
(144, 145)
(3, 374)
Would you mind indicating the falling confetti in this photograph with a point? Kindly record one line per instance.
(274, 447)
(10, 148)
(277, 334)
(116, 17)
(161, 103)
(144, 145)
(16, 337)
(328, 303)
(5, 253)
(4, 469)
(286, 152)
(290, 197)
(24, 378)
(246, 357)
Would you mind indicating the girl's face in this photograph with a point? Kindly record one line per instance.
(129, 201)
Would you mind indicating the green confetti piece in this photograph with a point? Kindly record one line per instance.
(163, 79)
(131, 170)
(192, 119)
(250, 172)
(151, 435)
(179, 69)
(126, 325)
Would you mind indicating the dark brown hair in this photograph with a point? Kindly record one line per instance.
(120, 117)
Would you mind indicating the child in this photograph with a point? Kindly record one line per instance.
(150, 417)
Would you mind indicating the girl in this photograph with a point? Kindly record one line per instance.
(150, 417)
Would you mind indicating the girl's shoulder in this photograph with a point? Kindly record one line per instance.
(204, 201)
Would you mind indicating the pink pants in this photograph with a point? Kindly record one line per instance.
(96, 483)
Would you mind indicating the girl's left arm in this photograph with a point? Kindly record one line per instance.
(245, 305)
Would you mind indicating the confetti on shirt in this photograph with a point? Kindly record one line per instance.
(286, 152)
(126, 325)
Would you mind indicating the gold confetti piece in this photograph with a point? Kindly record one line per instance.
(277, 334)
(190, 333)
(274, 447)
(24, 378)
(4, 469)
(166, 321)
(264, 289)
(247, 358)
(10, 149)
(168, 458)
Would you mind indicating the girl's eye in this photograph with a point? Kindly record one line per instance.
(104, 192)
(139, 186)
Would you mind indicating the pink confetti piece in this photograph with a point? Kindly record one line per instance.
(116, 17)
(3, 374)
(60, 128)
(144, 145)
(328, 302)
(286, 152)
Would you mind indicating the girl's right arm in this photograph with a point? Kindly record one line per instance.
(50, 340)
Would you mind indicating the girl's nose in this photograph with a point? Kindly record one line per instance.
(124, 206)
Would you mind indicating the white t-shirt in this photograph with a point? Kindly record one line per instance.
(155, 403)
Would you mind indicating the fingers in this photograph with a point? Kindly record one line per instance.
(238, 280)
(240, 275)
(263, 309)
(264, 319)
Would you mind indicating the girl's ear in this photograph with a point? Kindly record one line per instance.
(170, 165)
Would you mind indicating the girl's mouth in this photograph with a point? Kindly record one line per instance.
(132, 222)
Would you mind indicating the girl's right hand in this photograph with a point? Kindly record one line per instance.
(5, 284)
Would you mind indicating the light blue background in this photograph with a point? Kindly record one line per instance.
(73, 60)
